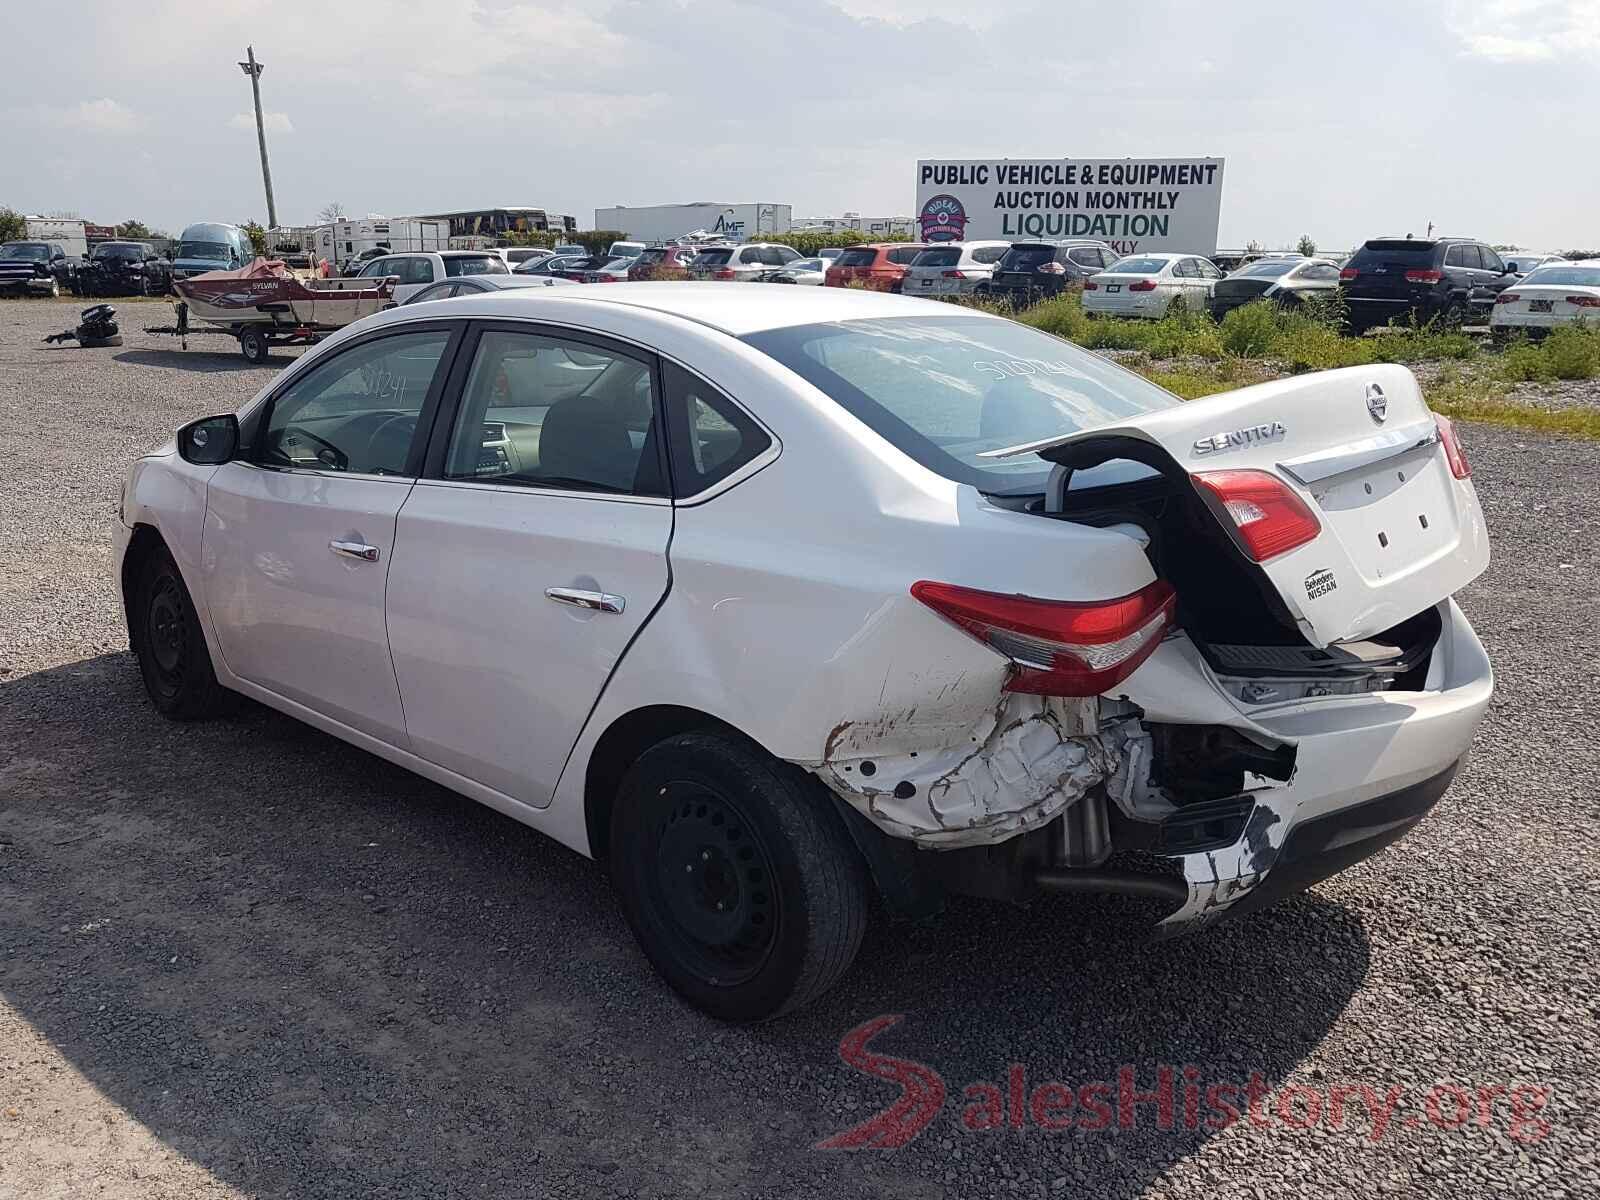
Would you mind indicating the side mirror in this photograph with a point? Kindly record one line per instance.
(1509, 270)
(210, 441)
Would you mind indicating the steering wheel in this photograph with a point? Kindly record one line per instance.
(327, 453)
(390, 442)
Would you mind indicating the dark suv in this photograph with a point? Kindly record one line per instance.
(1032, 271)
(1422, 279)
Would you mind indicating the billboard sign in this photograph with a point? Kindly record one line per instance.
(1134, 204)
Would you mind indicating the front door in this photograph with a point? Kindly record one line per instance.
(531, 552)
(299, 534)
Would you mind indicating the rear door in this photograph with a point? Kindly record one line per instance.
(530, 553)
(1398, 532)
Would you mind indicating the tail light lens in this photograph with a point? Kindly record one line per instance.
(1348, 273)
(1059, 647)
(1144, 285)
(1508, 297)
(1453, 453)
(724, 273)
(1584, 301)
(1090, 285)
(955, 274)
(1424, 276)
(1270, 517)
(1052, 268)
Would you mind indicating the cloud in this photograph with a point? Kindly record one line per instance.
(100, 116)
(1523, 31)
(275, 122)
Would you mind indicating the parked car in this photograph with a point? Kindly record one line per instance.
(1523, 261)
(812, 272)
(953, 269)
(1284, 281)
(740, 263)
(553, 265)
(517, 255)
(477, 285)
(881, 266)
(654, 262)
(506, 544)
(210, 246)
(1031, 271)
(1450, 280)
(36, 267)
(571, 248)
(417, 270)
(1148, 285)
(126, 269)
(1548, 297)
(593, 268)
(627, 249)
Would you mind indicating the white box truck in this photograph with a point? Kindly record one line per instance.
(664, 222)
(70, 233)
(344, 240)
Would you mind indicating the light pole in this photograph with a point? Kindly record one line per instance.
(253, 69)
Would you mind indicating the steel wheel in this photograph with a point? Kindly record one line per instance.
(166, 634)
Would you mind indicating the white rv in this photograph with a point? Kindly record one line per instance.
(344, 240)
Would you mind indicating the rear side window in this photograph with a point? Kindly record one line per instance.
(903, 255)
(488, 264)
(1086, 257)
(753, 255)
(945, 256)
(989, 254)
(713, 258)
(857, 258)
(711, 436)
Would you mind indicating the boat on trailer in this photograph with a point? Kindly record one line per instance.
(265, 304)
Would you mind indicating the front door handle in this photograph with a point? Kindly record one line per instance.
(359, 550)
(598, 601)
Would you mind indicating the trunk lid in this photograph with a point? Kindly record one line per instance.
(1399, 533)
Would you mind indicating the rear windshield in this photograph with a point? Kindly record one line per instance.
(474, 264)
(856, 258)
(945, 389)
(1267, 268)
(1567, 276)
(714, 258)
(1137, 266)
(1026, 258)
(945, 256)
(1393, 250)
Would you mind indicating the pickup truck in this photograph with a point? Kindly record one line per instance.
(39, 268)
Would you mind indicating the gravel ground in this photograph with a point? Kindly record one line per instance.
(242, 959)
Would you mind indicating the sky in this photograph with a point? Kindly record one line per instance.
(1341, 120)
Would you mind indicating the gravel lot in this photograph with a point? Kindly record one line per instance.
(242, 959)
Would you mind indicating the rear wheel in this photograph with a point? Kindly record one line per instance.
(254, 346)
(738, 879)
(171, 646)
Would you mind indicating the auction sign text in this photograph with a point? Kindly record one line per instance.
(1134, 204)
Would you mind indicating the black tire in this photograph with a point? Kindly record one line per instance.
(171, 646)
(1454, 315)
(739, 880)
(255, 347)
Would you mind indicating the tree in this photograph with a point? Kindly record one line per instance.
(256, 234)
(13, 227)
(330, 212)
(1307, 246)
(1253, 247)
(133, 229)
(597, 241)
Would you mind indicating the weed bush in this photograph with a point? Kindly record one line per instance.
(1573, 353)
(1250, 330)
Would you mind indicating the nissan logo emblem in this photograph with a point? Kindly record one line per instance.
(1377, 403)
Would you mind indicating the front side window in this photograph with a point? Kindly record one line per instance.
(358, 412)
(378, 268)
(550, 411)
(946, 389)
(1491, 260)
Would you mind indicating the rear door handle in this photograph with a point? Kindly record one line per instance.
(578, 598)
(359, 550)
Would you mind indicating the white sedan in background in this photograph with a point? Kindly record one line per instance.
(1147, 285)
(1561, 293)
(565, 552)
(1523, 261)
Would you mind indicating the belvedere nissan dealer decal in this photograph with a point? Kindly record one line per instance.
(1134, 204)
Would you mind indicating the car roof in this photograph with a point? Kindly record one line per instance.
(731, 308)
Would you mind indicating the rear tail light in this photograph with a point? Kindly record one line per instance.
(1424, 276)
(1584, 301)
(955, 274)
(1090, 285)
(1348, 273)
(1144, 285)
(1052, 268)
(1270, 518)
(1508, 297)
(1453, 453)
(1059, 647)
(724, 273)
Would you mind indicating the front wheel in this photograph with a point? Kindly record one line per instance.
(171, 646)
(738, 878)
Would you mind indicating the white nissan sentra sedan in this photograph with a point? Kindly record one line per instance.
(772, 596)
